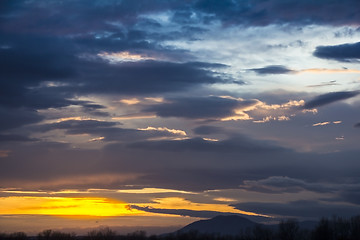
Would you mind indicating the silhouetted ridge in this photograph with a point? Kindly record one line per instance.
(220, 225)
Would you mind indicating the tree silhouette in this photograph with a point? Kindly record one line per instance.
(261, 233)
(102, 234)
(288, 229)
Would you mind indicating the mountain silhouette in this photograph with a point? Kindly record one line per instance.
(220, 225)
(232, 225)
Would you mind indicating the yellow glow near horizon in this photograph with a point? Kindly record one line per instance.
(181, 203)
(66, 206)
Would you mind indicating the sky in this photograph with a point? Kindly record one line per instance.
(158, 113)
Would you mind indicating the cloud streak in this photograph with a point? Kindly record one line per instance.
(328, 98)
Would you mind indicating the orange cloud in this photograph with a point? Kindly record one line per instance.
(181, 203)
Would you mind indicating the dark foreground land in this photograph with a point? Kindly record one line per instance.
(336, 228)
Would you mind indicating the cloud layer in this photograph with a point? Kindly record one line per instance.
(220, 103)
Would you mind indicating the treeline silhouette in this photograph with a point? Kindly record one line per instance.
(335, 228)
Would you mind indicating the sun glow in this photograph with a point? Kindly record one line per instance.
(66, 207)
(181, 203)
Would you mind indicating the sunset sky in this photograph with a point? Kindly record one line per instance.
(158, 113)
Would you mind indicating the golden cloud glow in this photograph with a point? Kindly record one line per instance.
(123, 56)
(66, 206)
(326, 123)
(269, 112)
(239, 116)
(155, 99)
(78, 118)
(130, 101)
(152, 190)
(221, 199)
(313, 111)
(320, 124)
(283, 118)
(211, 139)
(289, 104)
(96, 139)
(164, 129)
(181, 203)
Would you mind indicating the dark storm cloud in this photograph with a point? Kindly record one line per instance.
(28, 62)
(99, 16)
(84, 126)
(15, 138)
(200, 107)
(343, 52)
(14, 118)
(136, 41)
(258, 12)
(328, 98)
(95, 16)
(32, 61)
(302, 208)
(34, 99)
(98, 26)
(143, 77)
(275, 69)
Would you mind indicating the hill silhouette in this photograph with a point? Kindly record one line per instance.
(220, 225)
(233, 225)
